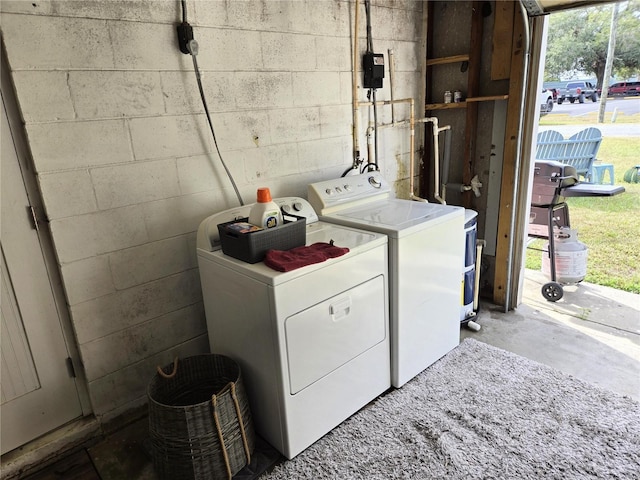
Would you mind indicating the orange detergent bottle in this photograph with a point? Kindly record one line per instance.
(265, 212)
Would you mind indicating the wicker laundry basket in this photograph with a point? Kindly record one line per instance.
(199, 419)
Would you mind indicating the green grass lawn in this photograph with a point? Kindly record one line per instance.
(608, 226)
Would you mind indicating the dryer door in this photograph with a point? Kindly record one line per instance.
(329, 334)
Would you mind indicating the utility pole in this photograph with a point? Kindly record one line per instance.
(609, 65)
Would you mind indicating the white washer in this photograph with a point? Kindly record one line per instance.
(426, 258)
(313, 343)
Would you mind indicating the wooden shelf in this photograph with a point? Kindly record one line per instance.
(446, 106)
(445, 60)
(469, 65)
(488, 99)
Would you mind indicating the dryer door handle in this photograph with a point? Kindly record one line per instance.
(340, 309)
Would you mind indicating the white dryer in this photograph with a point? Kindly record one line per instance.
(313, 343)
(426, 259)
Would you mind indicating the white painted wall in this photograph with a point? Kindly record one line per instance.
(124, 157)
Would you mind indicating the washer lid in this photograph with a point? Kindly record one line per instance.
(394, 214)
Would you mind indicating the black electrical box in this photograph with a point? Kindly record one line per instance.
(373, 66)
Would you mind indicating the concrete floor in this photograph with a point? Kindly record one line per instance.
(592, 333)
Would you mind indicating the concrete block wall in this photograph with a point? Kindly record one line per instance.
(127, 166)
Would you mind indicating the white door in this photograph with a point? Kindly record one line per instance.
(38, 393)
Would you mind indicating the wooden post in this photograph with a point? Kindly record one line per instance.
(509, 163)
(502, 41)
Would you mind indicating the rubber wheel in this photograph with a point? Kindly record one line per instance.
(549, 105)
(594, 97)
(581, 98)
(552, 291)
(560, 101)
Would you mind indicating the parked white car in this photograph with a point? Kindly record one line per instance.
(545, 99)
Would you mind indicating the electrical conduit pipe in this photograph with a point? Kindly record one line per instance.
(354, 93)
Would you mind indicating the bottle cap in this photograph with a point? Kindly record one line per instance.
(264, 195)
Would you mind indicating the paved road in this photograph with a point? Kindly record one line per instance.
(607, 129)
(624, 107)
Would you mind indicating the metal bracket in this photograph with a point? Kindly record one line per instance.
(70, 368)
(36, 218)
(533, 8)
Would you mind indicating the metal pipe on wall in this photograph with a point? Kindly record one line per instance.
(354, 92)
(392, 74)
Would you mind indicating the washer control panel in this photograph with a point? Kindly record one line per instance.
(329, 195)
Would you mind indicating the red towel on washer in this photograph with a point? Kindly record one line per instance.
(287, 260)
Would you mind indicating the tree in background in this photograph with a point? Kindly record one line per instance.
(578, 40)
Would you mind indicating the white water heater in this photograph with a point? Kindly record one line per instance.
(469, 273)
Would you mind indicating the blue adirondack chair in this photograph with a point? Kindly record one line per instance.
(550, 145)
(579, 150)
(582, 149)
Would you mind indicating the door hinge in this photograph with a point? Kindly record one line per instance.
(70, 368)
(36, 217)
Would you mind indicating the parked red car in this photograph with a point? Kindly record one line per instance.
(621, 89)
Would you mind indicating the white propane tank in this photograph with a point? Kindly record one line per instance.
(571, 257)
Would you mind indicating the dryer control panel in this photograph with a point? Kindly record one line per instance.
(330, 195)
(208, 237)
(297, 206)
